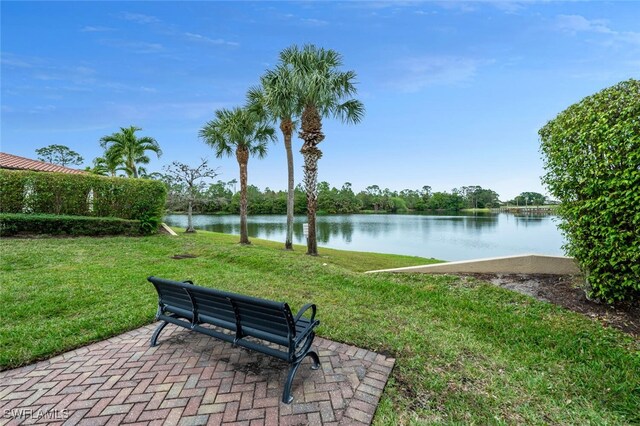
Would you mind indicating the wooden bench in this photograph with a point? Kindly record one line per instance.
(191, 307)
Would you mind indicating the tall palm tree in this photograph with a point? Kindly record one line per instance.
(276, 100)
(249, 134)
(125, 148)
(322, 91)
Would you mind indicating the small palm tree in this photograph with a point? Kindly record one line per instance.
(248, 134)
(99, 167)
(276, 100)
(322, 91)
(124, 148)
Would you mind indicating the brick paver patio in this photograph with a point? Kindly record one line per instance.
(191, 379)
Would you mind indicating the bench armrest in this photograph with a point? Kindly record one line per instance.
(310, 328)
(304, 309)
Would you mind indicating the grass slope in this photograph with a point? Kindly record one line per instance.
(467, 352)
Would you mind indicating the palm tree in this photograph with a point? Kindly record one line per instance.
(99, 168)
(276, 100)
(249, 134)
(322, 91)
(124, 148)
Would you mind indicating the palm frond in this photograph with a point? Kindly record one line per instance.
(351, 111)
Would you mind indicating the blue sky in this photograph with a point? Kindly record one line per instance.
(455, 92)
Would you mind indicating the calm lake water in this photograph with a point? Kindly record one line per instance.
(446, 237)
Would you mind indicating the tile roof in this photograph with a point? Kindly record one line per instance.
(10, 161)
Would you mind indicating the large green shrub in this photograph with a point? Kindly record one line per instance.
(81, 195)
(12, 224)
(592, 163)
(12, 191)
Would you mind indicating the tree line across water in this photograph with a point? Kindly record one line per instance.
(221, 197)
(185, 185)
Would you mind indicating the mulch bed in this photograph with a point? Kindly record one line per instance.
(567, 291)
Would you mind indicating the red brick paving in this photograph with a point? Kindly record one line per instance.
(192, 379)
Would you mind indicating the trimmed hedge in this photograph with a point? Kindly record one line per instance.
(12, 224)
(592, 163)
(80, 195)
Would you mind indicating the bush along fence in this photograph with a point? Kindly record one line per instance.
(38, 193)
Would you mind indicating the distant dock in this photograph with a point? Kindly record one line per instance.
(530, 210)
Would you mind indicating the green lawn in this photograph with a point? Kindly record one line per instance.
(467, 352)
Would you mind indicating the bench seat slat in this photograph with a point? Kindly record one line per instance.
(213, 306)
(215, 333)
(263, 335)
(214, 312)
(279, 313)
(177, 320)
(174, 292)
(263, 322)
(302, 324)
(220, 322)
(185, 304)
(185, 313)
(251, 328)
(279, 320)
(264, 349)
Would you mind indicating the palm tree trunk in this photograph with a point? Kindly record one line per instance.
(311, 156)
(190, 227)
(242, 154)
(312, 135)
(287, 128)
(134, 170)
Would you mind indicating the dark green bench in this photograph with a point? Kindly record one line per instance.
(191, 306)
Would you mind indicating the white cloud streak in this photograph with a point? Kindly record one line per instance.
(208, 40)
(574, 24)
(418, 73)
(13, 61)
(92, 29)
(134, 46)
(139, 18)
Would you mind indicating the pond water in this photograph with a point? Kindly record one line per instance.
(446, 237)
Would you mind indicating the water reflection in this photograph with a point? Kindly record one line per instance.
(450, 237)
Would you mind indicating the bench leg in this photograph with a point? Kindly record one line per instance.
(154, 338)
(286, 395)
(315, 359)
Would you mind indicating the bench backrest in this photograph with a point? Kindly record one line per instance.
(265, 319)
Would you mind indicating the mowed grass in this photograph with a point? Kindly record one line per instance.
(467, 352)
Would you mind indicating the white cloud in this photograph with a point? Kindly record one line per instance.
(40, 109)
(509, 6)
(314, 22)
(630, 37)
(460, 6)
(205, 39)
(139, 18)
(307, 22)
(92, 29)
(13, 61)
(79, 75)
(134, 46)
(574, 24)
(419, 72)
(185, 110)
